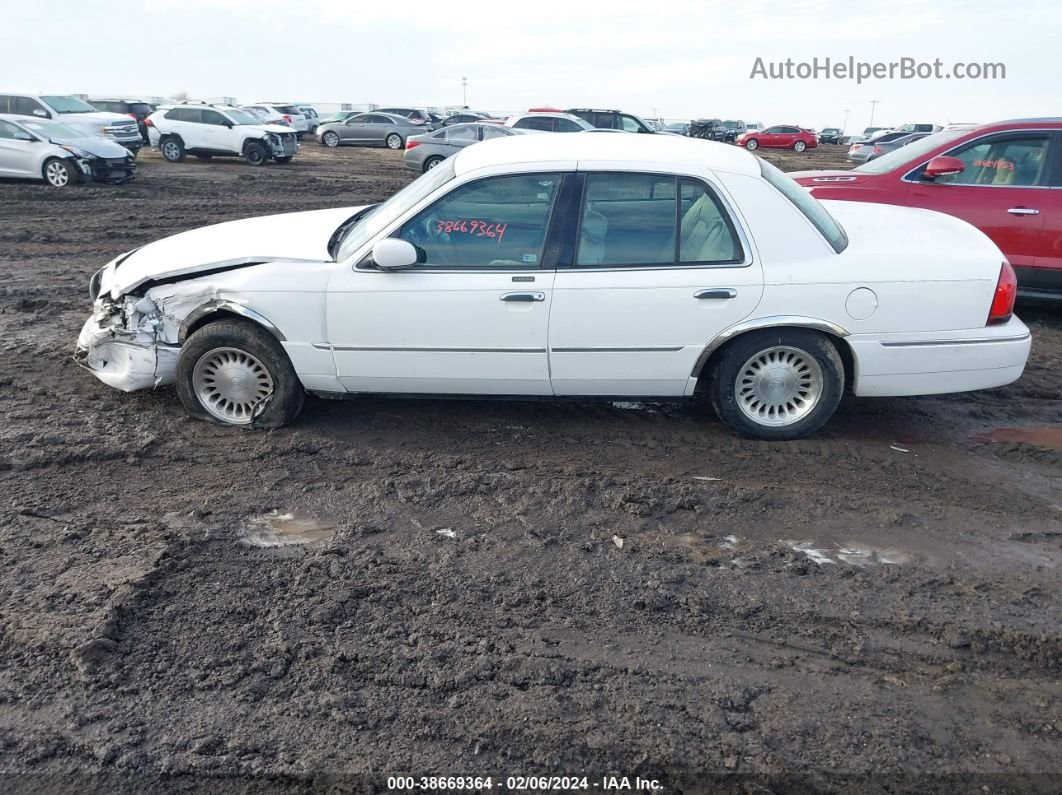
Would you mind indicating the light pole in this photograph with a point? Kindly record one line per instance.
(873, 107)
(464, 92)
(844, 128)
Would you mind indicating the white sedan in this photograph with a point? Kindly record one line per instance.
(612, 265)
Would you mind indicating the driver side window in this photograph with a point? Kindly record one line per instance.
(1018, 162)
(498, 222)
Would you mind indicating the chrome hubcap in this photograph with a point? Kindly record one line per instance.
(778, 386)
(230, 384)
(394, 141)
(331, 139)
(57, 175)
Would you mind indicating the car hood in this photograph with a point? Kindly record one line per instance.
(274, 128)
(96, 145)
(233, 244)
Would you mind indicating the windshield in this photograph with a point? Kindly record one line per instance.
(69, 105)
(391, 209)
(731, 125)
(242, 117)
(51, 129)
(807, 204)
(910, 153)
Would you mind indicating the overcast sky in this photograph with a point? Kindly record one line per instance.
(678, 59)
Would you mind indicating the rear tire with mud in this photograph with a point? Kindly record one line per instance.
(172, 148)
(234, 372)
(777, 385)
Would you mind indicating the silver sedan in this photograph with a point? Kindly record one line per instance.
(369, 129)
(425, 152)
(865, 151)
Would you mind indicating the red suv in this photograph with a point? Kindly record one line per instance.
(780, 136)
(1004, 178)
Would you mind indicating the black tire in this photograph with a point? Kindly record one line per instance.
(432, 162)
(330, 139)
(278, 409)
(393, 141)
(172, 148)
(59, 172)
(752, 350)
(752, 143)
(255, 153)
(204, 157)
(286, 159)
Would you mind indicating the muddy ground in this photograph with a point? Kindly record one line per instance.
(622, 589)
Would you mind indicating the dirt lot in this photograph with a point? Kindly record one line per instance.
(876, 609)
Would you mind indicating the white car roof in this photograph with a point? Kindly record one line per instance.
(633, 148)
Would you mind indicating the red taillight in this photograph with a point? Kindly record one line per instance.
(412, 144)
(877, 150)
(287, 118)
(1003, 301)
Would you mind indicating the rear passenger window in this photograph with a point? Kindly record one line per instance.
(498, 222)
(650, 219)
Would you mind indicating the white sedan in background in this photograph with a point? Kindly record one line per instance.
(612, 265)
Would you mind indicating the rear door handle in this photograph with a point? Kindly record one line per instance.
(523, 296)
(716, 293)
(1023, 211)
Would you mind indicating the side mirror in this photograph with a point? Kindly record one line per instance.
(943, 166)
(24, 136)
(40, 112)
(393, 254)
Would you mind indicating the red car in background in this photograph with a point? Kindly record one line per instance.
(780, 136)
(1004, 178)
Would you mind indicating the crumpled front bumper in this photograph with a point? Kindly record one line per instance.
(121, 359)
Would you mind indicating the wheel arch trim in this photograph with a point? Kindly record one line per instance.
(221, 306)
(776, 321)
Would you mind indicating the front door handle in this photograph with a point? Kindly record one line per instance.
(716, 293)
(523, 296)
(1023, 211)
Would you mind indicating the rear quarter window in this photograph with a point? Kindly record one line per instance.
(808, 205)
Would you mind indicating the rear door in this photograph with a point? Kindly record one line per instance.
(16, 157)
(1004, 190)
(655, 267)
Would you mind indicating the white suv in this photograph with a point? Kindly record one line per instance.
(292, 114)
(209, 130)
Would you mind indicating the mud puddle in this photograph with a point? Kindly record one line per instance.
(287, 530)
(1046, 436)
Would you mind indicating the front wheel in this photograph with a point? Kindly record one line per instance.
(330, 139)
(255, 154)
(799, 146)
(777, 385)
(752, 143)
(59, 173)
(236, 373)
(394, 141)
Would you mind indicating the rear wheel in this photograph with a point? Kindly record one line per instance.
(394, 141)
(172, 149)
(777, 385)
(752, 143)
(254, 153)
(432, 162)
(799, 146)
(330, 139)
(59, 173)
(236, 373)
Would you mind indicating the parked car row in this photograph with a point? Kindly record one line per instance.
(60, 155)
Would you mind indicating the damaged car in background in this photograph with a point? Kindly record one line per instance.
(32, 148)
(567, 265)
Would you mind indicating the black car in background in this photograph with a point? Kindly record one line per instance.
(733, 129)
(136, 108)
(831, 135)
(708, 129)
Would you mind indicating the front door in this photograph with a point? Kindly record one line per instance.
(1003, 191)
(659, 269)
(472, 318)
